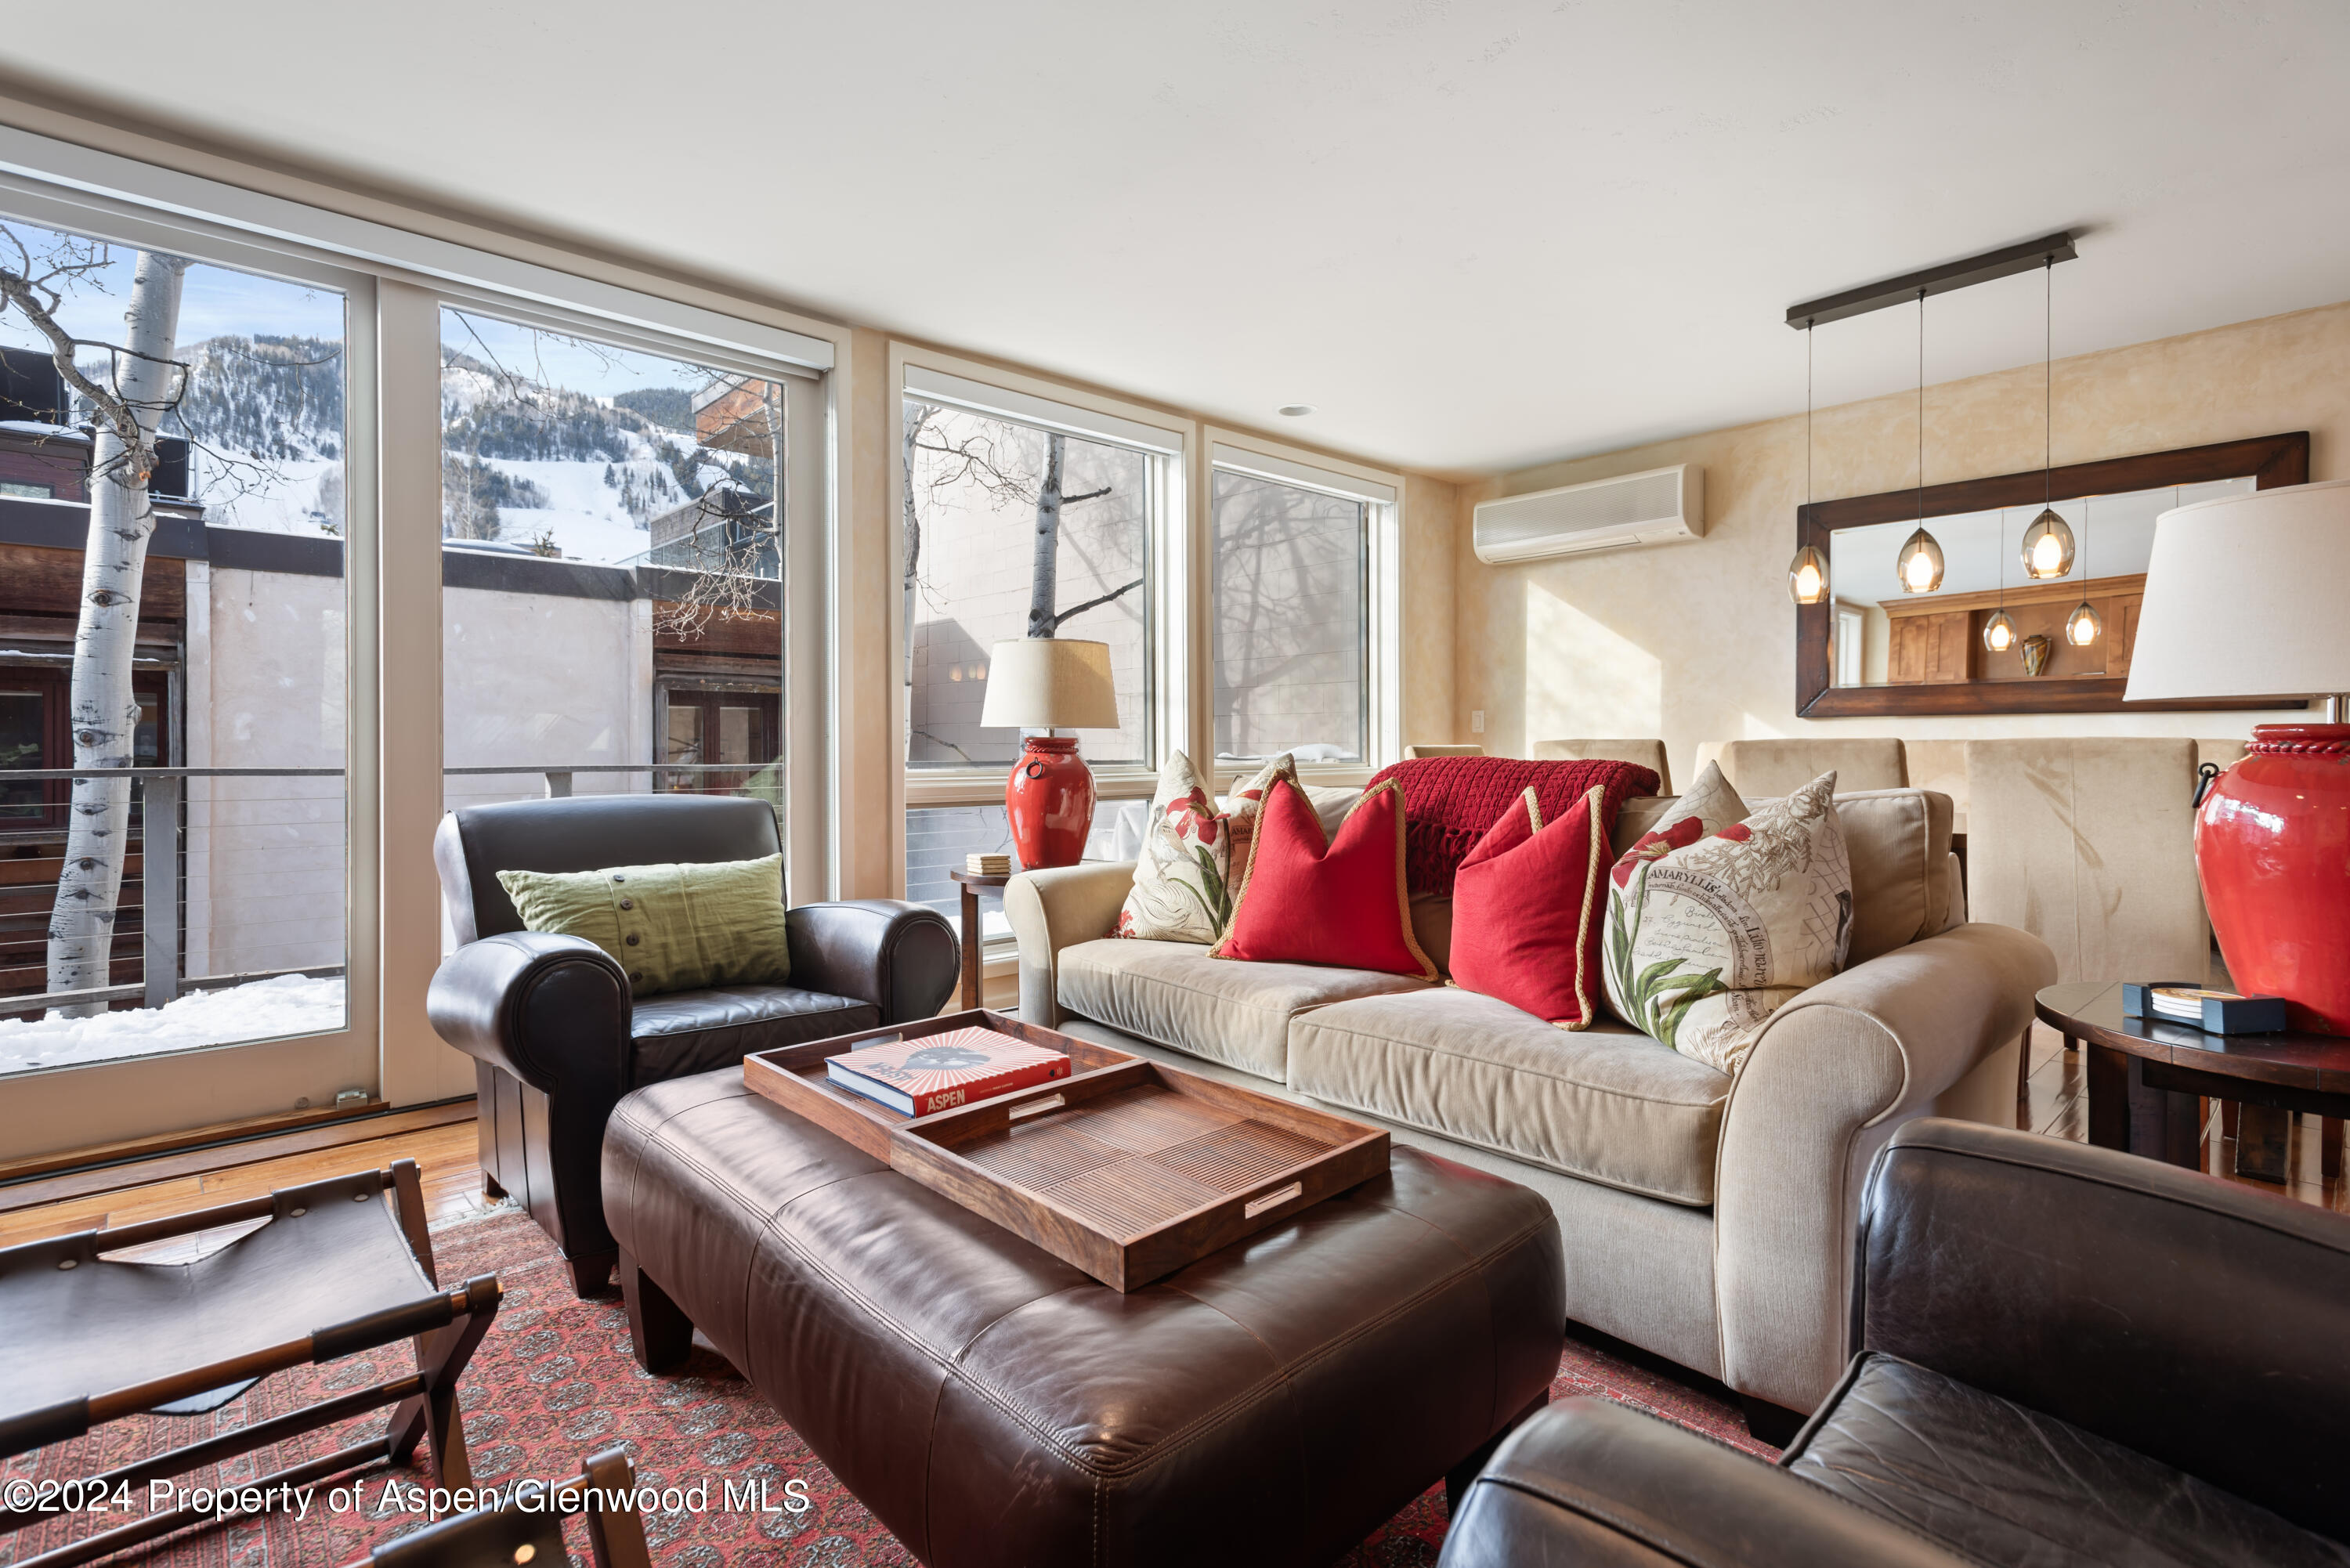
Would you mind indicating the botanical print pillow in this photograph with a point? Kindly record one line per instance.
(1187, 875)
(1707, 936)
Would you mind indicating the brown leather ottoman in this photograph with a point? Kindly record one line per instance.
(1273, 1403)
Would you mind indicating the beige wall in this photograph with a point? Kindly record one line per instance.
(1695, 643)
(1432, 513)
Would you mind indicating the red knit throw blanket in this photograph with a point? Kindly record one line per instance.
(1449, 801)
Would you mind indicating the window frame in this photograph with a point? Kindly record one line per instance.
(1381, 493)
(1170, 443)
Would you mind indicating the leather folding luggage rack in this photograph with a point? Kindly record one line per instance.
(87, 1338)
(528, 1528)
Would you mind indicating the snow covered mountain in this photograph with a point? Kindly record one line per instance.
(523, 463)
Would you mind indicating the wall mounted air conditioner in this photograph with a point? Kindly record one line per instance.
(1652, 508)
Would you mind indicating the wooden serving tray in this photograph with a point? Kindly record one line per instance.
(1132, 1171)
(794, 1075)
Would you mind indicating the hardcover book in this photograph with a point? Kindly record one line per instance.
(939, 1072)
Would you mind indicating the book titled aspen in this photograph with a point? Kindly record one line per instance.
(939, 1072)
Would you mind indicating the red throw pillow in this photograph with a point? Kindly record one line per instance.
(1527, 911)
(1340, 901)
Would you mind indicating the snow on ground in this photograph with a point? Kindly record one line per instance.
(584, 513)
(288, 495)
(263, 1010)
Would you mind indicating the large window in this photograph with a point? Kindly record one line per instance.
(225, 897)
(1024, 517)
(612, 604)
(1016, 531)
(568, 494)
(1290, 594)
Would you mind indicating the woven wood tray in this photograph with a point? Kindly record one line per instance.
(794, 1076)
(1134, 1170)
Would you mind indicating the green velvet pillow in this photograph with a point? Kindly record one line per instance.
(672, 927)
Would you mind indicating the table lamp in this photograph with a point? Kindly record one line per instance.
(1048, 684)
(2245, 597)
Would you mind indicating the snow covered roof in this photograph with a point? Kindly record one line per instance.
(72, 433)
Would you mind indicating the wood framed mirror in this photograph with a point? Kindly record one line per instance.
(1872, 649)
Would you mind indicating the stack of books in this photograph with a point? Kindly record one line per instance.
(938, 1072)
(2213, 1011)
(988, 864)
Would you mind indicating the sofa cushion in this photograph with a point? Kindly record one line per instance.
(1707, 940)
(2007, 1484)
(1604, 1103)
(1906, 885)
(696, 1031)
(677, 925)
(1174, 994)
(1314, 898)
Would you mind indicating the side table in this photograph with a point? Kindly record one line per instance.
(2148, 1077)
(973, 942)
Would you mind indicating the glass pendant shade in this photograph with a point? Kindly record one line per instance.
(1919, 564)
(2048, 546)
(1999, 632)
(1807, 576)
(2081, 626)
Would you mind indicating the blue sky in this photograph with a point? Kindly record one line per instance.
(218, 301)
(215, 301)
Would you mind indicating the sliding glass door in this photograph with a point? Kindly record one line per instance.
(177, 682)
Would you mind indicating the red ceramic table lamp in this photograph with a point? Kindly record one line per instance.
(2245, 597)
(1048, 684)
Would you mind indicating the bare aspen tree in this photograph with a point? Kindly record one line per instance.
(145, 383)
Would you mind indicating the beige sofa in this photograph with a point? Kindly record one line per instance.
(1708, 1220)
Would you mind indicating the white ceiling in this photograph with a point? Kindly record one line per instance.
(1476, 235)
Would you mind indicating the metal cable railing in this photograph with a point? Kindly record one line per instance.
(163, 894)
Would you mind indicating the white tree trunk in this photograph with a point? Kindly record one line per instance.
(104, 709)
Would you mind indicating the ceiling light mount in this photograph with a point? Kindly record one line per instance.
(2006, 261)
(1294, 410)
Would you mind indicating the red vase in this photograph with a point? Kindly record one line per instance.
(1050, 801)
(2273, 848)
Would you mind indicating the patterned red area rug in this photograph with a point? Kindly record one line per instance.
(554, 1381)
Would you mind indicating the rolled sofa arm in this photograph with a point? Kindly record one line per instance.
(1591, 1481)
(902, 958)
(1835, 1073)
(2184, 1317)
(551, 1011)
(1056, 909)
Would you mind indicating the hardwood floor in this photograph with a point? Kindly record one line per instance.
(453, 1179)
(446, 1156)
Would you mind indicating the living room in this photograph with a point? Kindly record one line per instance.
(1396, 786)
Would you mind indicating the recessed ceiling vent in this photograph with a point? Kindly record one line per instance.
(1657, 508)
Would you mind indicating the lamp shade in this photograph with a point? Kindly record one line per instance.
(2245, 597)
(1050, 683)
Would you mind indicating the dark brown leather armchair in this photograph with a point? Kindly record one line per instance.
(550, 1021)
(2067, 1354)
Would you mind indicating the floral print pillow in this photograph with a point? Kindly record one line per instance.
(1193, 857)
(1709, 934)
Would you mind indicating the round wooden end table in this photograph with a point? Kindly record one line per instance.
(974, 989)
(2148, 1079)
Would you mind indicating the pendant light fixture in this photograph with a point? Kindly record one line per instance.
(1998, 631)
(1919, 563)
(2081, 626)
(2048, 541)
(1807, 573)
